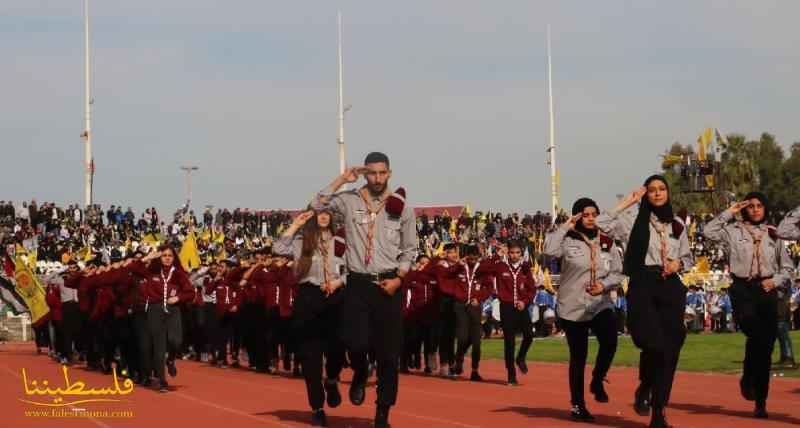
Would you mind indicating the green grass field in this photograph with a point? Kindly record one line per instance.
(718, 353)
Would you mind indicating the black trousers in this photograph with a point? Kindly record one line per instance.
(210, 326)
(272, 318)
(468, 332)
(372, 320)
(755, 311)
(287, 341)
(655, 321)
(412, 345)
(604, 326)
(144, 342)
(166, 332)
(224, 335)
(70, 327)
(90, 340)
(515, 321)
(256, 328)
(447, 323)
(316, 327)
(248, 329)
(429, 331)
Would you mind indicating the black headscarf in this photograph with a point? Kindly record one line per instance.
(578, 207)
(763, 199)
(640, 235)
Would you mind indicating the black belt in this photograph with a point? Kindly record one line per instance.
(373, 277)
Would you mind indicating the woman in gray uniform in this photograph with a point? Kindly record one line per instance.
(759, 262)
(591, 268)
(318, 254)
(657, 250)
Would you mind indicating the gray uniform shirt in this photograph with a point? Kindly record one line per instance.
(788, 228)
(293, 246)
(574, 303)
(619, 224)
(395, 239)
(738, 243)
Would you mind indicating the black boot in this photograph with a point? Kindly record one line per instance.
(659, 419)
(318, 419)
(512, 379)
(641, 401)
(475, 377)
(523, 366)
(761, 411)
(382, 417)
(580, 414)
(598, 390)
(332, 393)
(357, 392)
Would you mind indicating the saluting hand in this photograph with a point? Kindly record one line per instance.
(302, 219)
(738, 207)
(633, 198)
(572, 222)
(351, 174)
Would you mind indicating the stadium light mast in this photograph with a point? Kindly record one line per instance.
(88, 161)
(552, 147)
(342, 109)
(188, 170)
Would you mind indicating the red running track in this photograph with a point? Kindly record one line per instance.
(204, 396)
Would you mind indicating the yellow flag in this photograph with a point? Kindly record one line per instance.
(189, 255)
(440, 250)
(548, 282)
(30, 256)
(152, 240)
(31, 290)
(222, 255)
(703, 265)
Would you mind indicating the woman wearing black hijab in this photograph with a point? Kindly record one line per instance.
(759, 263)
(591, 268)
(657, 249)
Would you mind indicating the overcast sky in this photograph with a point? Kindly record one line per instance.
(455, 92)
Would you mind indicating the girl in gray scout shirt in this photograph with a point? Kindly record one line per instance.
(657, 250)
(591, 268)
(759, 262)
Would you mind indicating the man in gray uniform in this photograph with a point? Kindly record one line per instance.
(381, 246)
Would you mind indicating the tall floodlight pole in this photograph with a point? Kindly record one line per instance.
(189, 170)
(340, 115)
(552, 147)
(87, 132)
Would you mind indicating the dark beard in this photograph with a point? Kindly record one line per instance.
(379, 193)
